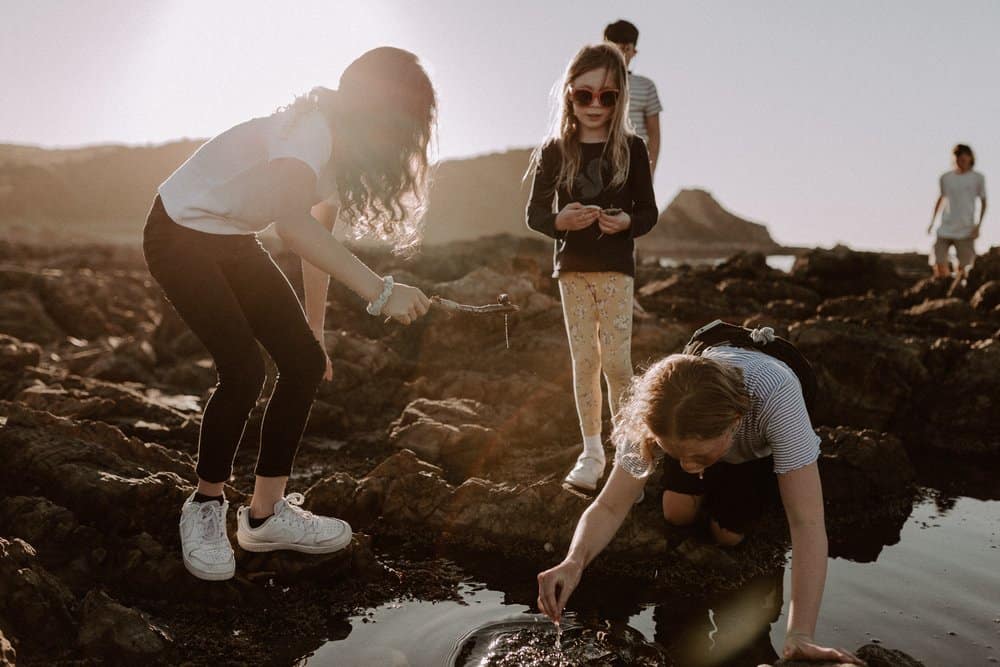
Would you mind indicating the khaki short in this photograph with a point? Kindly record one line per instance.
(964, 248)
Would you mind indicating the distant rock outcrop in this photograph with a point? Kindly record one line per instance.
(695, 224)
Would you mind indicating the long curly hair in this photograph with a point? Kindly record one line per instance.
(383, 118)
(564, 130)
(680, 397)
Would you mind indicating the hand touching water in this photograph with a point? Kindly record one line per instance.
(800, 646)
(555, 586)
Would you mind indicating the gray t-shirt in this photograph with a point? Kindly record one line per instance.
(226, 188)
(960, 191)
(777, 422)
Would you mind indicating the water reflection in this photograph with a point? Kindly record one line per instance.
(727, 630)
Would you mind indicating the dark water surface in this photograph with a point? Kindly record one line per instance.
(935, 594)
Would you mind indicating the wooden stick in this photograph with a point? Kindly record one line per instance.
(504, 306)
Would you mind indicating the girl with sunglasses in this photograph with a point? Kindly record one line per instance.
(359, 154)
(596, 172)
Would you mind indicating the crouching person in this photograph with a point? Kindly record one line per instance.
(731, 423)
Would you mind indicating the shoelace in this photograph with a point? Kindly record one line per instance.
(209, 521)
(294, 502)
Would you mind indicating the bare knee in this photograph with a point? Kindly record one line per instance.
(680, 509)
(724, 537)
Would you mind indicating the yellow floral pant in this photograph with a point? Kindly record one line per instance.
(598, 311)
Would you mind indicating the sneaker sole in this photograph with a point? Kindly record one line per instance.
(209, 576)
(578, 485)
(259, 547)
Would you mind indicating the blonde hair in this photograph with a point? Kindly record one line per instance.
(679, 397)
(564, 131)
(382, 120)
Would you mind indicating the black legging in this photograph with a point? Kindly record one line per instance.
(232, 294)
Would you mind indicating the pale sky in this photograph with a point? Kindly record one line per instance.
(828, 121)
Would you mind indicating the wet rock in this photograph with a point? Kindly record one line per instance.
(117, 633)
(173, 339)
(686, 297)
(55, 533)
(868, 308)
(355, 561)
(957, 412)
(23, 316)
(746, 265)
(764, 291)
(842, 271)
(457, 433)
(860, 466)
(192, 374)
(138, 411)
(653, 339)
(34, 604)
(82, 466)
(788, 309)
(865, 377)
(948, 310)
(986, 268)
(15, 357)
(933, 287)
(987, 297)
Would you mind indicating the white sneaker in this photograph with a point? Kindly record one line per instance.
(204, 544)
(586, 473)
(291, 527)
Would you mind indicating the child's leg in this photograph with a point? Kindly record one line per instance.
(580, 312)
(614, 307)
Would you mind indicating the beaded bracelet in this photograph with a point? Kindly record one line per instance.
(376, 306)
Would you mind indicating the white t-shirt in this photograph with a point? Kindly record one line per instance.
(777, 423)
(960, 191)
(226, 188)
(642, 101)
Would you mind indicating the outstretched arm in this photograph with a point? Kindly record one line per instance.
(596, 527)
(313, 243)
(802, 496)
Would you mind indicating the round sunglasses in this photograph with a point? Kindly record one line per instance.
(606, 97)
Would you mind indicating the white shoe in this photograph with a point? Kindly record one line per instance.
(204, 544)
(586, 473)
(291, 527)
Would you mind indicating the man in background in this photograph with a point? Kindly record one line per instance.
(959, 190)
(644, 103)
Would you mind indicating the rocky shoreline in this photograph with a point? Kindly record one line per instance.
(435, 436)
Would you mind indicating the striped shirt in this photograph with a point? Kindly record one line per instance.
(642, 101)
(777, 422)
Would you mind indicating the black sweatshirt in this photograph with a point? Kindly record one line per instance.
(585, 249)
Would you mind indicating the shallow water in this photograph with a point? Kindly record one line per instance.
(935, 594)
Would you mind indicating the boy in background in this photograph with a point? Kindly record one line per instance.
(644, 103)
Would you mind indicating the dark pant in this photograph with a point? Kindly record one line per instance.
(232, 295)
(734, 493)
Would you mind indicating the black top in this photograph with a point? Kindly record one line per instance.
(585, 249)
